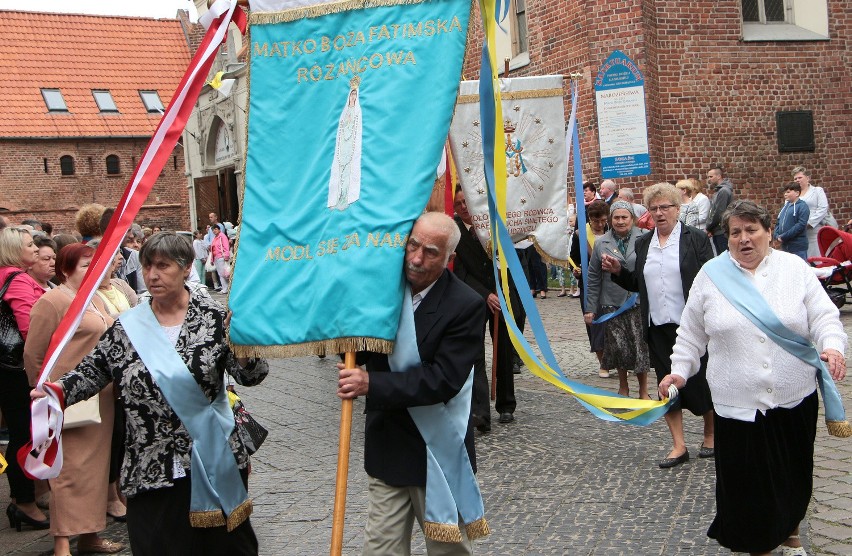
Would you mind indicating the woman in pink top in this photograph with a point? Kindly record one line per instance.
(221, 250)
(18, 253)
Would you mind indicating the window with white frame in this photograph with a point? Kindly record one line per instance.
(152, 102)
(104, 101)
(785, 20)
(54, 100)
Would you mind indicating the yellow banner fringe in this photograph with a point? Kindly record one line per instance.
(519, 95)
(320, 10)
(321, 347)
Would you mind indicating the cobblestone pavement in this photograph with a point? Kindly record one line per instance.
(556, 481)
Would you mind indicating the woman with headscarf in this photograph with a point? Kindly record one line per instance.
(624, 344)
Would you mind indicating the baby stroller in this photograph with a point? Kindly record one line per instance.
(834, 267)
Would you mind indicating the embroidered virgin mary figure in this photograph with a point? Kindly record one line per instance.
(344, 186)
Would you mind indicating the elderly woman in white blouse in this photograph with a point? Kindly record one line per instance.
(764, 396)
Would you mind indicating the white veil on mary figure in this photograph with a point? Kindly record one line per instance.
(344, 186)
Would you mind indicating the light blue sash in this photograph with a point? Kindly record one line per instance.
(216, 483)
(744, 296)
(451, 487)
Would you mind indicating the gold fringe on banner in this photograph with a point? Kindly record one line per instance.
(840, 429)
(319, 10)
(519, 95)
(545, 257)
(320, 347)
(477, 529)
(442, 532)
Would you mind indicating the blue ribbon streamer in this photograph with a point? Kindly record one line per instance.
(628, 304)
(498, 229)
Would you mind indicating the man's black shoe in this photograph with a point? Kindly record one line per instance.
(484, 428)
(506, 418)
(516, 368)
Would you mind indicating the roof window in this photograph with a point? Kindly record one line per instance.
(152, 101)
(104, 101)
(54, 101)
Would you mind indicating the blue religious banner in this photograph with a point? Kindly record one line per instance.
(349, 107)
(622, 127)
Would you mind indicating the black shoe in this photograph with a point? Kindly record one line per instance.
(674, 462)
(506, 418)
(18, 518)
(516, 368)
(704, 452)
(484, 428)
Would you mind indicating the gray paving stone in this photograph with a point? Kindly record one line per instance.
(557, 481)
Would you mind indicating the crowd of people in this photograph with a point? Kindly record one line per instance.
(647, 303)
(125, 464)
(663, 290)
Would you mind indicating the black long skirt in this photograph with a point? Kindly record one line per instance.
(764, 476)
(695, 396)
(158, 525)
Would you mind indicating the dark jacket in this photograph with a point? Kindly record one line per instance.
(472, 264)
(449, 326)
(695, 250)
(791, 226)
(721, 199)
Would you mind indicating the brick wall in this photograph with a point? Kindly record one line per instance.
(711, 98)
(27, 191)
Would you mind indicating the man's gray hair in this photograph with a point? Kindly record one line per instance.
(167, 245)
(610, 185)
(748, 211)
(446, 225)
(626, 193)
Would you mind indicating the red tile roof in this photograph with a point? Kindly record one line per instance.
(78, 53)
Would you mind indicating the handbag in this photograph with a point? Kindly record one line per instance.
(251, 432)
(82, 414)
(11, 341)
(646, 221)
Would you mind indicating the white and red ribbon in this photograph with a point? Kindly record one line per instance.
(42, 457)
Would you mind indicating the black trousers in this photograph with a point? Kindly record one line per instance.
(15, 404)
(158, 525)
(505, 402)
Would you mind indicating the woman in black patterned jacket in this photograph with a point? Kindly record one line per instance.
(158, 462)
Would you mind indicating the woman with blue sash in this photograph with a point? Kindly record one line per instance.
(772, 334)
(611, 306)
(185, 468)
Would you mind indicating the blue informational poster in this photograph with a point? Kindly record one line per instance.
(622, 125)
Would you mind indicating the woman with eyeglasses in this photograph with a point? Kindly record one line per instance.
(667, 262)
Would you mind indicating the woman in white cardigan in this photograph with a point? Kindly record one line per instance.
(764, 398)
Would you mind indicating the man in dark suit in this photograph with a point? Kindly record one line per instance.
(474, 267)
(448, 318)
(674, 254)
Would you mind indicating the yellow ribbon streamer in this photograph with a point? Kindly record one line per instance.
(604, 403)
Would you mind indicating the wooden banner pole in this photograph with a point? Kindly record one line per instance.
(494, 335)
(342, 468)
